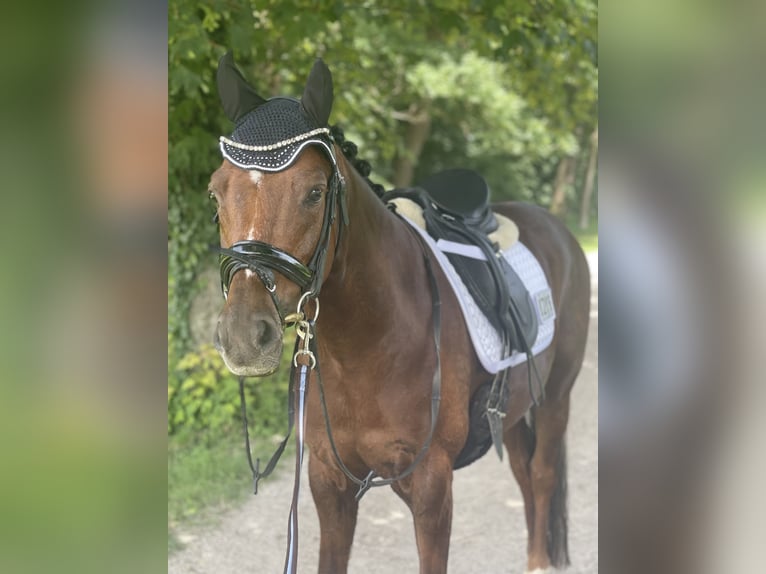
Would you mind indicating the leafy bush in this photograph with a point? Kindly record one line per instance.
(206, 461)
(203, 397)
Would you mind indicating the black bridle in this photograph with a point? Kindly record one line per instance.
(264, 259)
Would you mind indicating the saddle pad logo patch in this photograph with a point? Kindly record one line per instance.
(545, 307)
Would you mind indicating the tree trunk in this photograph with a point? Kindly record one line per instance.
(564, 178)
(418, 128)
(590, 177)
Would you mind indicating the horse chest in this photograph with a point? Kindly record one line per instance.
(373, 432)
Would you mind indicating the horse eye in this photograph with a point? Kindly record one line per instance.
(315, 195)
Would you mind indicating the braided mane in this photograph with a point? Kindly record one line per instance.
(350, 151)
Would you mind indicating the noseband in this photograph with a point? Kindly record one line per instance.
(264, 259)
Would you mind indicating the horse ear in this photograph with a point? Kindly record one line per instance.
(317, 97)
(237, 96)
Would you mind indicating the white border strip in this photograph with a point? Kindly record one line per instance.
(463, 249)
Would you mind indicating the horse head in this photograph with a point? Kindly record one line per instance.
(278, 194)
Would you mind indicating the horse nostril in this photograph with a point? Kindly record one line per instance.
(265, 333)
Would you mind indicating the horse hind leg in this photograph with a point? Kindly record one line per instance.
(548, 477)
(519, 441)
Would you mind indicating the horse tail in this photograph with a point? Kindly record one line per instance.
(558, 548)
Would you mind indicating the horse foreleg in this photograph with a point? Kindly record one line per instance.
(429, 495)
(548, 545)
(337, 510)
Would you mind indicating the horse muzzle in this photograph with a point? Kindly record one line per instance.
(249, 343)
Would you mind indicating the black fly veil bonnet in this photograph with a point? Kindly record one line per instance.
(269, 135)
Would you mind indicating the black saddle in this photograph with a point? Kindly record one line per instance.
(456, 208)
(462, 193)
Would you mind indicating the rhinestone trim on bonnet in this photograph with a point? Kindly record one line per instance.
(271, 164)
(277, 145)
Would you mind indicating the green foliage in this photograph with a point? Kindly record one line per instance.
(203, 398)
(200, 476)
(498, 133)
(204, 477)
(207, 468)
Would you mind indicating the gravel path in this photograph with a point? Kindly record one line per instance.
(488, 532)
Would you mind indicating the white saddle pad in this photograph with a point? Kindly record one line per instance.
(485, 339)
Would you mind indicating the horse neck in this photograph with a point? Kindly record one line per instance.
(359, 297)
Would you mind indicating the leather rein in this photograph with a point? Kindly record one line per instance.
(264, 260)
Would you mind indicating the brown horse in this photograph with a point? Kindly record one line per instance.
(376, 349)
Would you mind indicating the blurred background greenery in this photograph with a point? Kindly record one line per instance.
(84, 287)
(507, 88)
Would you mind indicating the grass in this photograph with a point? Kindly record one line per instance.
(205, 477)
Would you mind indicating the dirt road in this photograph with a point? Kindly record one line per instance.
(488, 532)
